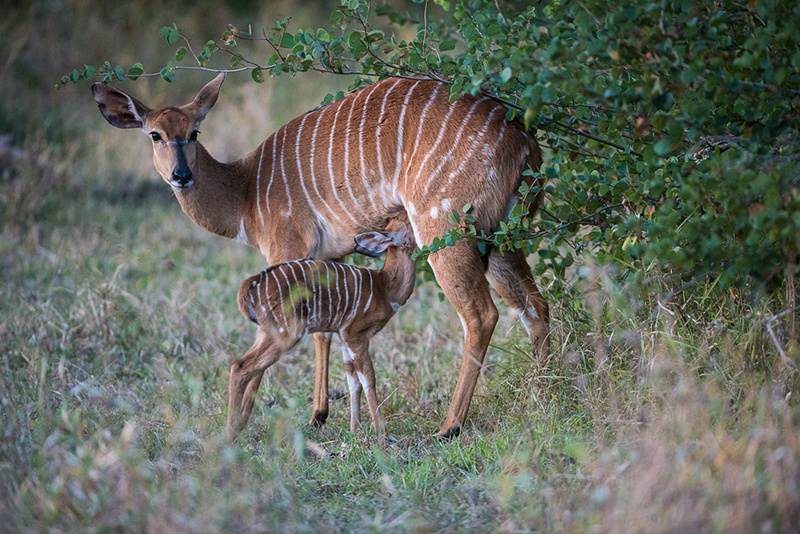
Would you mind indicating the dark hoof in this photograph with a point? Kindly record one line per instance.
(449, 434)
(318, 419)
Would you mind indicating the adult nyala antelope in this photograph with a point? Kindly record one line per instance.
(292, 299)
(348, 167)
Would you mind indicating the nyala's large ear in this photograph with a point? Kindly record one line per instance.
(373, 243)
(207, 97)
(118, 108)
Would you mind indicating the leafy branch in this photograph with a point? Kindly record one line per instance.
(665, 111)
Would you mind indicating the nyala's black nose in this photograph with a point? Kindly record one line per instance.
(182, 177)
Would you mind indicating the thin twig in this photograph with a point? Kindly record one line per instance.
(599, 139)
(564, 225)
(191, 50)
(784, 358)
(566, 126)
(676, 291)
(782, 314)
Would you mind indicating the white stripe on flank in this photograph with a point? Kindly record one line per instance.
(280, 296)
(258, 183)
(317, 288)
(347, 154)
(419, 130)
(470, 156)
(258, 289)
(330, 169)
(346, 288)
(288, 212)
(311, 284)
(295, 292)
(330, 296)
(307, 303)
(272, 166)
(449, 156)
(312, 152)
(442, 130)
(358, 278)
(340, 284)
(351, 284)
(378, 134)
(300, 168)
(398, 162)
(275, 318)
(369, 301)
(502, 133)
(364, 180)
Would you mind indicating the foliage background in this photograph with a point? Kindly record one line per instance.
(670, 404)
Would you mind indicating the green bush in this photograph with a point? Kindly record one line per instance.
(671, 126)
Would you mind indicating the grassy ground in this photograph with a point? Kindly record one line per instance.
(118, 323)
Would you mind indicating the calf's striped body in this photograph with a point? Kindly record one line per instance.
(348, 167)
(293, 299)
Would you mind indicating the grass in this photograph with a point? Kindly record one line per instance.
(118, 323)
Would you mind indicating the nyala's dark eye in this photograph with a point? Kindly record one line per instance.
(193, 137)
(156, 136)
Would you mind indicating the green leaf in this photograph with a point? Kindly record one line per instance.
(167, 75)
(663, 147)
(447, 44)
(135, 71)
(287, 40)
(354, 40)
(444, 3)
(258, 75)
(375, 35)
(236, 60)
(181, 53)
(170, 34)
(119, 73)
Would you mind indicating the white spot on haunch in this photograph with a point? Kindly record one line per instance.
(434, 212)
(445, 204)
(281, 330)
(492, 175)
(411, 209)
